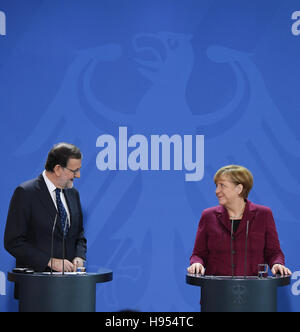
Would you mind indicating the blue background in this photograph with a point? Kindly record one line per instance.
(74, 70)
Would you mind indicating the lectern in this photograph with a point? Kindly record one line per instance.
(69, 292)
(238, 294)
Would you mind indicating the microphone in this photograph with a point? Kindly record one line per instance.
(246, 242)
(231, 249)
(63, 245)
(52, 241)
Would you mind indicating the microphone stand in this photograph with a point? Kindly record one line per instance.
(52, 242)
(245, 266)
(231, 249)
(63, 247)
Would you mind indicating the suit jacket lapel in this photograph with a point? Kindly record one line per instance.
(249, 214)
(44, 196)
(223, 217)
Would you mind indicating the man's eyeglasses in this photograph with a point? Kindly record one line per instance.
(73, 171)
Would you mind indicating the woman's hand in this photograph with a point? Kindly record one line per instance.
(196, 268)
(280, 269)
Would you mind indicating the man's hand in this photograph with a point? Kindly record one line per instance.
(57, 265)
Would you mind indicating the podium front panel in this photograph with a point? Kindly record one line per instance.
(58, 293)
(238, 294)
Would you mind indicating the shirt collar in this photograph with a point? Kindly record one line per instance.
(51, 187)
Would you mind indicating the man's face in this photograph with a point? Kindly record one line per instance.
(66, 175)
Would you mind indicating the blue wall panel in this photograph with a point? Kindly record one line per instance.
(219, 78)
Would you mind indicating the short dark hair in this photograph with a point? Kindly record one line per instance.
(60, 155)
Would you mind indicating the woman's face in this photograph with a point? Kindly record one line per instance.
(227, 192)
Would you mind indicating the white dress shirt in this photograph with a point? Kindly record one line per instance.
(51, 187)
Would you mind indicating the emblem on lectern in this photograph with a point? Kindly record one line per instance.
(239, 293)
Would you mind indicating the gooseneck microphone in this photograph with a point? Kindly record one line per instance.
(63, 245)
(246, 251)
(52, 241)
(231, 249)
(246, 242)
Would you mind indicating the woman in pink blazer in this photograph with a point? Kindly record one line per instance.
(236, 236)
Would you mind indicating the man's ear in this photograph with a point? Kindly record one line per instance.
(57, 170)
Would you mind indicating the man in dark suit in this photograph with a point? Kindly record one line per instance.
(42, 205)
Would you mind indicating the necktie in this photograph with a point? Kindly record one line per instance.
(62, 213)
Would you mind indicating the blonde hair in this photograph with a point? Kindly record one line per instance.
(238, 175)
